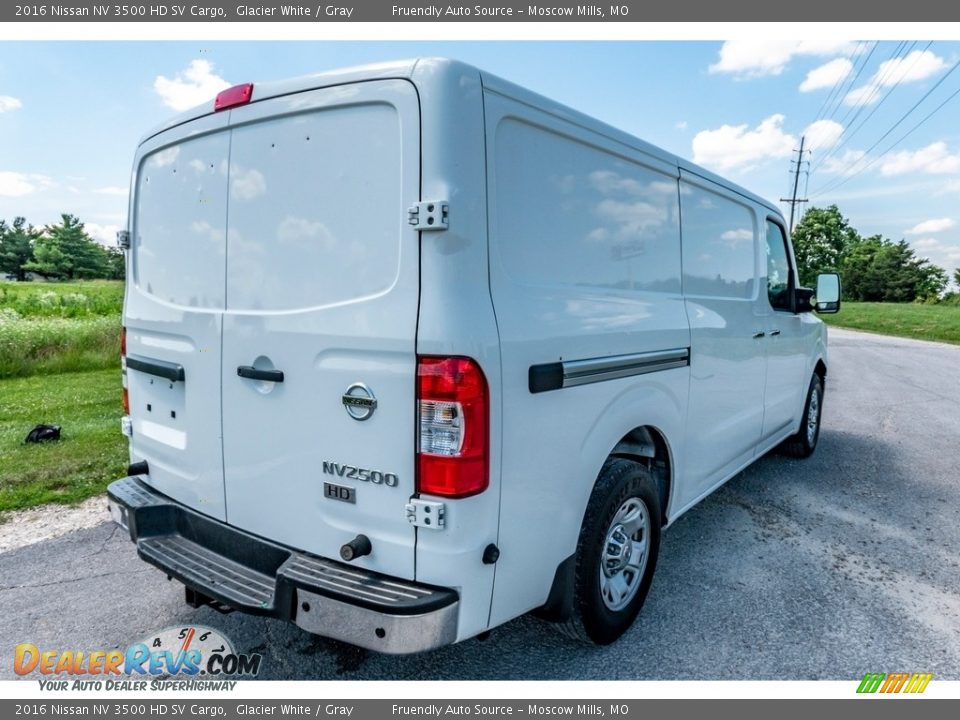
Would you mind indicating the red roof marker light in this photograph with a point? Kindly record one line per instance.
(231, 97)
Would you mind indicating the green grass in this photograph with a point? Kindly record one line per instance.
(923, 322)
(59, 327)
(80, 299)
(91, 452)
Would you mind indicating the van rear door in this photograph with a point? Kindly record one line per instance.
(322, 285)
(173, 310)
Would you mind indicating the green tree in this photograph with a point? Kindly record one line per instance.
(820, 242)
(875, 269)
(956, 277)
(16, 247)
(65, 251)
(116, 264)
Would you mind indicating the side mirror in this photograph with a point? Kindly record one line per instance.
(828, 293)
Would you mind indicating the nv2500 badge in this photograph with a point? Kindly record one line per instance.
(352, 472)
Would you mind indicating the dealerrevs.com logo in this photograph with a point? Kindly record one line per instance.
(177, 658)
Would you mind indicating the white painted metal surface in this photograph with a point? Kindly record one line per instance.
(276, 235)
(322, 284)
(173, 309)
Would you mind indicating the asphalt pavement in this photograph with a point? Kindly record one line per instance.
(826, 568)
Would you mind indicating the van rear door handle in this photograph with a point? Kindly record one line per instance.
(248, 371)
(758, 335)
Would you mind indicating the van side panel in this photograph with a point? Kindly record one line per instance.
(456, 318)
(584, 264)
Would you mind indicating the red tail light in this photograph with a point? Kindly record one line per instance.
(453, 427)
(123, 370)
(231, 97)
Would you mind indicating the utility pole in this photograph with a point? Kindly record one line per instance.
(794, 200)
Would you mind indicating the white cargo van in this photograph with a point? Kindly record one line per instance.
(411, 351)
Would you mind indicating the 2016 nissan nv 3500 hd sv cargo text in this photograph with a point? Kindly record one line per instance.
(410, 351)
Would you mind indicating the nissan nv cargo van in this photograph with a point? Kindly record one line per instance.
(410, 351)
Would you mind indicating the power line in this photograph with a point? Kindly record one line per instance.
(839, 82)
(844, 134)
(849, 83)
(833, 184)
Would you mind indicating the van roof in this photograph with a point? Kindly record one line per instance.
(421, 71)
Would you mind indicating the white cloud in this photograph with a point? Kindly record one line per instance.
(8, 103)
(681, 125)
(939, 252)
(195, 85)
(823, 134)
(103, 234)
(755, 58)
(15, 184)
(934, 159)
(931, 226)
(827, 75)
(915, 66)
(733, 146)
(111, 190)
(846, 164)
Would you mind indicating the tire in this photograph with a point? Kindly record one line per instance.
(804, 442)
(606, 602)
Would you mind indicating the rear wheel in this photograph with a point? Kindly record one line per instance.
(616, 554)
(804, 442)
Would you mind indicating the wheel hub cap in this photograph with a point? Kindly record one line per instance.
(624, 554)
(618, 551)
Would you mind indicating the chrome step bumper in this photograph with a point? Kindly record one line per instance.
(257, 576)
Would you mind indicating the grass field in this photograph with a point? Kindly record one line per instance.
(59, 327)
(91, 452)
(60, 365)
(923, 322)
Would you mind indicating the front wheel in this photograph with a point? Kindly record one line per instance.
(617, 552)
(804, 442)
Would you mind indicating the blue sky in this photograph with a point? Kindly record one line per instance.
(71, 114)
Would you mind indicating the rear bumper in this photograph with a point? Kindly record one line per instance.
(254, 575)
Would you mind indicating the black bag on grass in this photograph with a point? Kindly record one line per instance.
(43, 433)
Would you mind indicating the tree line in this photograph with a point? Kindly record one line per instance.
(872, 269)
(62, 251)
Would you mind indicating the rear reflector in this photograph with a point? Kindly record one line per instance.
(231, 97)
(453, 427)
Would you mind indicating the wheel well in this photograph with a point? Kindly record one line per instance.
(647, 446)
(821, 371)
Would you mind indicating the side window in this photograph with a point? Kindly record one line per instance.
(719, 245)
(778, 268)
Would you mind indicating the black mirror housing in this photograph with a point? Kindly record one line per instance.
(803, 300)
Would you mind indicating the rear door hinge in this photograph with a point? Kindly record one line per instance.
(426, 514)
(123, 238)
(430, 215)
